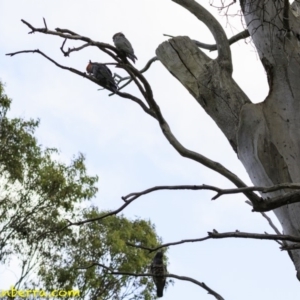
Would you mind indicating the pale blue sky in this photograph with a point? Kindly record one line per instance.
(126, 147)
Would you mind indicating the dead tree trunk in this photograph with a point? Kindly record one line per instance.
(266, 136)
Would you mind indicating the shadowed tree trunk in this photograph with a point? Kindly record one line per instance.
(265, 136)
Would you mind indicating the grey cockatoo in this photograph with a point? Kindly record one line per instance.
(103, 74)
(158, 269)
(124, 46)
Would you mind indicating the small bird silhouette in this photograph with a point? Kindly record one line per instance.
(124, 46)
(158, 269)
(103, 74)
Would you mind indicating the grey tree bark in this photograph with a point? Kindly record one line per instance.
(265, 136)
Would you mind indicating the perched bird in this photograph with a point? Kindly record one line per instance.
(158, 269)
(124, 46)
(103, 74)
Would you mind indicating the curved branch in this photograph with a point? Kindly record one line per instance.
(170, 187)
(67, 53)
(138, 101)
(147, 66)
(224, 53)
(212, 47)
(128, 69)
(111, 213)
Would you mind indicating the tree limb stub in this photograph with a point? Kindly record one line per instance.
(208, 83)
(224, 53)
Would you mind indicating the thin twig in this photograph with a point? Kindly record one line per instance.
(65, 33)
(67, 53)
(45, 24)
(147, 66)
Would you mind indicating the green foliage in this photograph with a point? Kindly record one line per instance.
(37, 192)
(18, 146)
(102, 243)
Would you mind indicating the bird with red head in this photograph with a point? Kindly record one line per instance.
(103, 74)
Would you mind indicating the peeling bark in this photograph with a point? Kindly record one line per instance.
(266, 136)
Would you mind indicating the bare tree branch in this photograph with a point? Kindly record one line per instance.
(212, 47)
(261, 205)
(66, 31)
(111, 213)
(67, 53)
(53, 61)
(68, 34)
(147, 66)
(169, 244)
(216, 235)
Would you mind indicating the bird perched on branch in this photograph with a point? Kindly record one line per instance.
(103, 74)
(124, 46)
(158, 269)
